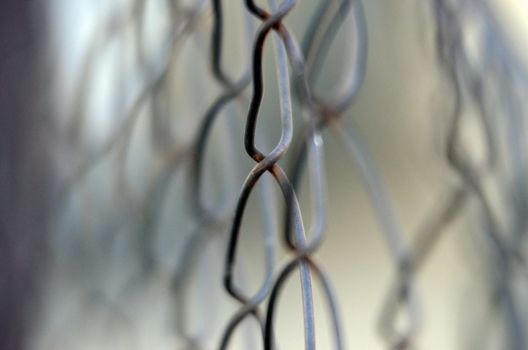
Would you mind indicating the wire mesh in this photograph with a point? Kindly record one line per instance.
(169, 148)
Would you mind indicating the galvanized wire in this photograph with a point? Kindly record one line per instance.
(301, 147)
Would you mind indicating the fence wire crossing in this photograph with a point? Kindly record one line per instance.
(489, 81)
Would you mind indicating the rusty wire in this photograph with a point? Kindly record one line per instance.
(298, 66)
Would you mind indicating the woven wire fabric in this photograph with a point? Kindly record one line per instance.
(179, 141)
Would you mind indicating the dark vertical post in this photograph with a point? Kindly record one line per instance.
(25, 171)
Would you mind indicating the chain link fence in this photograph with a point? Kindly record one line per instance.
(194, 182)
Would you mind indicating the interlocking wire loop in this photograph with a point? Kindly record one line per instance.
(490, 82)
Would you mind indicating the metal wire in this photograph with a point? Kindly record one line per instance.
(491, 86)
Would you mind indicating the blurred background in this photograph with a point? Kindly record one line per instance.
(103, 244)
